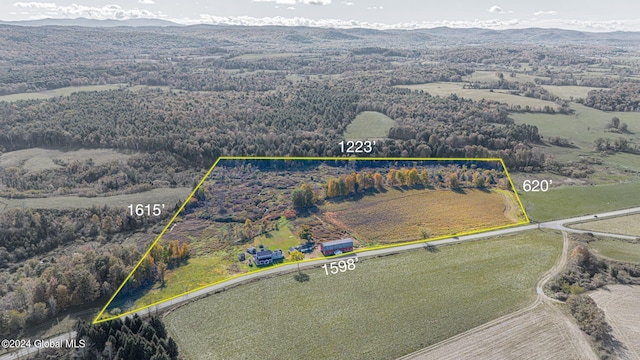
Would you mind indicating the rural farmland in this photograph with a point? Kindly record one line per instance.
(420, 298)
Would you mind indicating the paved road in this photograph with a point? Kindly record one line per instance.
(555, 224)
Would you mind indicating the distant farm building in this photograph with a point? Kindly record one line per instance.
(306, 248)
(241, 257)
(331, 247)
(277, 256)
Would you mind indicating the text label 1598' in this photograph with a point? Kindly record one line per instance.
(340, 266)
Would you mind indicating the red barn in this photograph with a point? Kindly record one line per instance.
(330, 247)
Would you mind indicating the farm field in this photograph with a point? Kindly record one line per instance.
(369, 125)
(447, 88)
(622, 311)
(419, 298)
(38, 159)
(625, 225)
(567, 92)
(617, 249)
(568, 201)
(542, 331)
(59, 92)
(581, 128)
(402, 214)
(488, 76)
(167, 196)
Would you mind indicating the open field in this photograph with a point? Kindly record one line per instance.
(616, 249)
(542, 333)
(167, 196)
(59, 92)
(622, 310)
(401, 214)
(385, 308)
(581, 128)
(569, 201)
(624, 225)
(568, 92)
(447, 88)
(489, 76)
(369, 125)
(38, 159)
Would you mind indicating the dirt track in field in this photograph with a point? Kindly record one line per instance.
(539, 331)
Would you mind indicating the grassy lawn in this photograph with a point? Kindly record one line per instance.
(282, 239)
(167, 196)
(369, 125)
(570, 201)
(385, 308)
(397, 215)
(447, 88)
(617, 249)
(59, 92)
(489, 76)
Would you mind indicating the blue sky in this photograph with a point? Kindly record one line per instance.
(382, 14)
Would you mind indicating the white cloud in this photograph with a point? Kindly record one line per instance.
(551, 12)
(375, 8)
(35, 5)
(295, 2)
(291, 8)
(496, 9)
(146, 2)
(347, 3)
(41, 10)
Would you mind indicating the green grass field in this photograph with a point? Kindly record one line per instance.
(282, 239)
(38, 159)
(59, 92)
(385, 308)
(570, 201)
(568, 92)
(369, 125)
(167, 196)
(617, 250)
(447, 88)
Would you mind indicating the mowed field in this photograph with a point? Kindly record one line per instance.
(38, 159)
(385, 308)
(541, 333)
(568, 92)
(168, 196)
(569, 201)
(369, 125)
(622, 310)
(398, 215)
(59, 92)
(624, 225)
(581, 128)
(447, 88)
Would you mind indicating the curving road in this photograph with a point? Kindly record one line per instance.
(555, 224)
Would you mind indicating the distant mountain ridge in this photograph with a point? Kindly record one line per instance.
(92, 22)
(313, 35)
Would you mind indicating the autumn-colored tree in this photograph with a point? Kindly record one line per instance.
(412, 177)
(452, 181)
(378, 180)
(391, 177)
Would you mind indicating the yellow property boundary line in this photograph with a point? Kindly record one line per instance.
(204, 178)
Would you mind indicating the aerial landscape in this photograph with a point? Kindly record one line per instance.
(235, 188)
